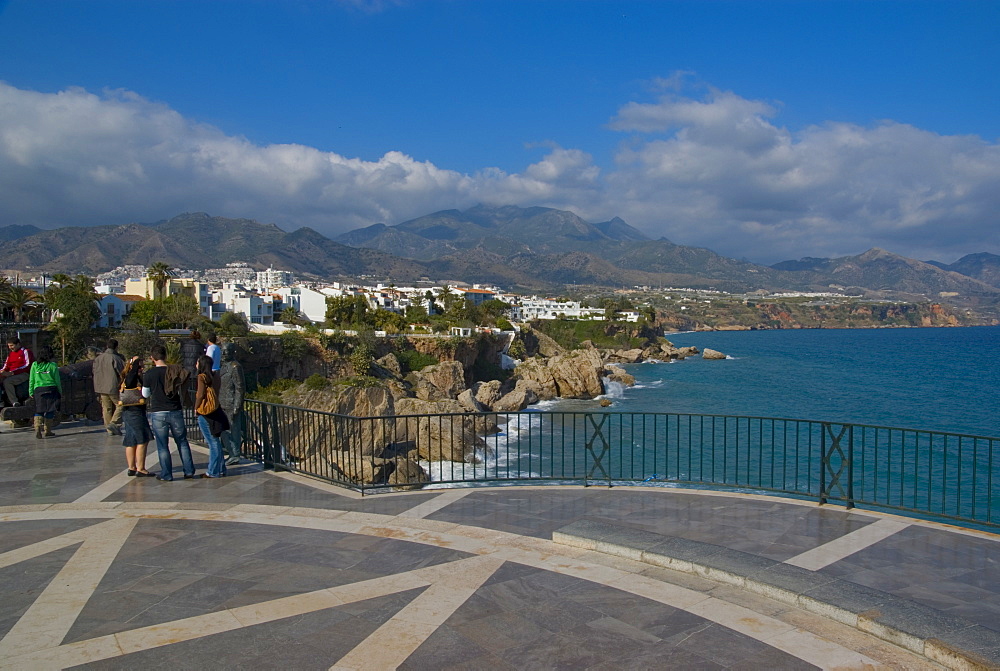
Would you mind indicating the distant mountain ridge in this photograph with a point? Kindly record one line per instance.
(197, 240)
(982, 266)
(527, 249)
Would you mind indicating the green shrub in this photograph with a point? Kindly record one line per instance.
(272, 392)
(413, 360)
(517, 350)
(316, 382)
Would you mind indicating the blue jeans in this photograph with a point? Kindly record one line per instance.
(216, 461)
(171, 423)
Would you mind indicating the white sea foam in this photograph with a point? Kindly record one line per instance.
(613, 389)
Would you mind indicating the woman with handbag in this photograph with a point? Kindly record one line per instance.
(211, 419)
(137, 431)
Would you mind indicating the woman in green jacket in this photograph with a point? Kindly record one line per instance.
(45, 386)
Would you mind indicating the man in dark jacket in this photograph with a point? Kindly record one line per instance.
(108, 367)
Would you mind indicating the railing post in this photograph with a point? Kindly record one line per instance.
(850, 467)
(822, 464)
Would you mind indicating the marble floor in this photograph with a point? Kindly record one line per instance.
(272, 570)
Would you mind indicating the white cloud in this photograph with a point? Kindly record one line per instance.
(716, 171)
(723, 176)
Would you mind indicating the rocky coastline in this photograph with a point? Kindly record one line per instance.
(407, 419)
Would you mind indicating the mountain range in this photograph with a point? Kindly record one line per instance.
(535, 249)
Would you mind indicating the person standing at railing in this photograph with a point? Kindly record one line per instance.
(107, 371)
(231, 397)
(163, 385)
(211, 419)
(213, 351)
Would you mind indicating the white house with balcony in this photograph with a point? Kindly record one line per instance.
(547, 308)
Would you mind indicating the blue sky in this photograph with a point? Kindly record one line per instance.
(765, 130)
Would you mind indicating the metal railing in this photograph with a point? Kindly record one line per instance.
(927, 473)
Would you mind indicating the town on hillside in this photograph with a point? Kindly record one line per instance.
(273, 301)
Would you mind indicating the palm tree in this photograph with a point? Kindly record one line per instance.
(160, 273)
(18, 299)
(289, 316)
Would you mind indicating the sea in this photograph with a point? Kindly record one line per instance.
(927, 379)
(944, 379)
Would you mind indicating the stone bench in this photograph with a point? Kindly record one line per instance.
(948, 640)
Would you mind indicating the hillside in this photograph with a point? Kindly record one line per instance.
(198, 241)
(524, 249)
(983, 266)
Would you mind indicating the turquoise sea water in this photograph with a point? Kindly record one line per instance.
(944, 379)
(923, 379)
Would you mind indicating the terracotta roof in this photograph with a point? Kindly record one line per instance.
(128, 298)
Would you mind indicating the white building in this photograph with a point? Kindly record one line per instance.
(114, 309)
(546, 308)
(270, 278)
(257, 308)
(308, 301)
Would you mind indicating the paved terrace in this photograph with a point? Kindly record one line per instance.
(271, 570)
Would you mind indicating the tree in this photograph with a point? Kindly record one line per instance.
(347, 311)
(180, 310)
(290, 316)
(160, 273)
(18, 300)
(149, 315)
(75, 301)
(233, 324)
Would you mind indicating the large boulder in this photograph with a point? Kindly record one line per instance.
(626, 356)
(712, 354)
(440, 431)
(469, 402)
(538, 371)
(305, 434)
(388, 367)
(487, 393)
(407, 474)
(440, 381)
(577, 374)
(519, 398)
(618, 374)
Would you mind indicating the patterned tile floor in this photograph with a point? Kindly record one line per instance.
(263, 570)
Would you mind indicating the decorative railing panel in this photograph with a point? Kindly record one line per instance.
(943, 475)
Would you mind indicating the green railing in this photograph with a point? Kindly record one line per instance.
(926, 473)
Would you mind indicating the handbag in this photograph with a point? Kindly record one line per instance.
(129, 396)
(210, 402)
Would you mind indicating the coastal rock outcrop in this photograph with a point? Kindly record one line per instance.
(520, 397)
(626, 356)
(487, 393)
(440, 381)
(712, 354)
(619, 375)
(437, 435)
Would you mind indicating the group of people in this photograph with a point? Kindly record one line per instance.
(159, 414)
(44, 382)
(145, 404)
